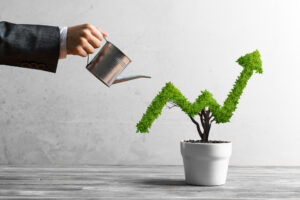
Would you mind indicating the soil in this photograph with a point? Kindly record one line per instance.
(209, 141)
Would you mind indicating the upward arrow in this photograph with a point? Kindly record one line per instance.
(250, 62)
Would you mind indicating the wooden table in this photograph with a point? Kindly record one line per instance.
(144, 182)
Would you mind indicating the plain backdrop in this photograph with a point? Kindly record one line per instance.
(72, 118)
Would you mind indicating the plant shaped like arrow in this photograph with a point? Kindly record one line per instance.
(250, 62)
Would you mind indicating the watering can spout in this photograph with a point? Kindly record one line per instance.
(128, 78)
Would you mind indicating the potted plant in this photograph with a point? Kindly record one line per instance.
(205, 161)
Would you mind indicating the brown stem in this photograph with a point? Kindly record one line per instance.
(201, 119)
(198, 127)
(205, 119)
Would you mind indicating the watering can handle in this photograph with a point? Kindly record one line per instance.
(88, 56)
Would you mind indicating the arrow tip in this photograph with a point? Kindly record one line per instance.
(251, 61)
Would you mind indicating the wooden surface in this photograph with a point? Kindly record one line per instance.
(144, 182)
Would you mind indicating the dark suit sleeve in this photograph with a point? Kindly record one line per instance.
(29, 46)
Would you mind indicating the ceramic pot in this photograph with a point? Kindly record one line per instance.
(205, 163)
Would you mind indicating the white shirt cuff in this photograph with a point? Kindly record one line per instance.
(63, 42)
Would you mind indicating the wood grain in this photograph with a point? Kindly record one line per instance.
(144, 182)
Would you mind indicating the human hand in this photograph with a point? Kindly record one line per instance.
(83, 39)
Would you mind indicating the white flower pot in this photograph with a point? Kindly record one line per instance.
(205, 163)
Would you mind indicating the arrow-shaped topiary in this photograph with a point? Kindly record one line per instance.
(205, 105)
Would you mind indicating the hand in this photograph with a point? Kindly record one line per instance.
(83, 39)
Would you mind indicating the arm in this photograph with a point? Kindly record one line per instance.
(29, 46)
(39, 46)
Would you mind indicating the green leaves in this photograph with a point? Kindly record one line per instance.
(251, 62)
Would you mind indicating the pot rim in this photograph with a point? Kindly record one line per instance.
(190, 143)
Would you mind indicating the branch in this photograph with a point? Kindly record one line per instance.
(198, 127)
(172, 105)
(201, 119)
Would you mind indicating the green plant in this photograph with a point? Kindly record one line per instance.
(205, 105)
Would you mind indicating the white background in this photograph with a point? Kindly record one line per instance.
(72, 118)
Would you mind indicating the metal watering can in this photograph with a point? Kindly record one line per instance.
(108, 63)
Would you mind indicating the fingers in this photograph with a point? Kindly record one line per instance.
(103, 33)
(83, 39)
(81, 52)
(96, 33)
(94, 41)
(88, 48)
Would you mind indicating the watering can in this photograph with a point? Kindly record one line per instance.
(108, 63)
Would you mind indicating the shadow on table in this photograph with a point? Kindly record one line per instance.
(163, 182)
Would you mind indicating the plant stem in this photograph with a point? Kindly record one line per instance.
(198, 128)
(206, 119)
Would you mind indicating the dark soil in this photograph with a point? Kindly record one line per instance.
(209, 141)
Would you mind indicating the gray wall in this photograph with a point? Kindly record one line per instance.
(71, 118)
